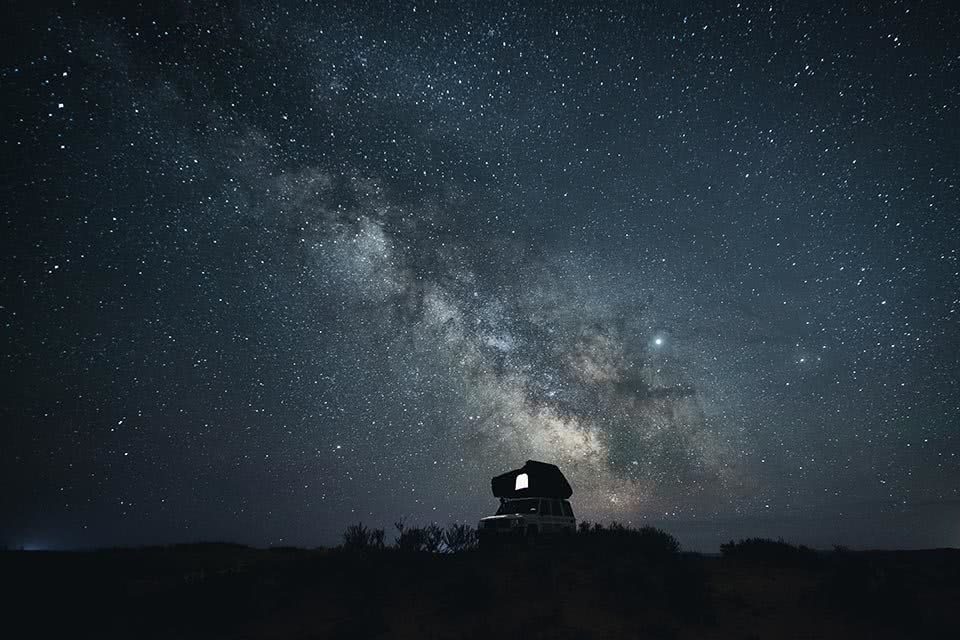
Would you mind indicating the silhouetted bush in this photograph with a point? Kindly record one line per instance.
(642, 567)
(459, 537)
(651, 540)
(377, 538)
(584, 526)
(410, 538)
(433, 537)
(764, 550)
(648, 541)
(357, 538)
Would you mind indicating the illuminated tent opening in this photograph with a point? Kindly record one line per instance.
(532, 479)
(523, 481)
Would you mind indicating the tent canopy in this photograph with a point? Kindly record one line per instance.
(532, 479)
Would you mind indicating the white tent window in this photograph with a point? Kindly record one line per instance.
(523, 482)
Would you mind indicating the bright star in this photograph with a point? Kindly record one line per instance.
(658, 341)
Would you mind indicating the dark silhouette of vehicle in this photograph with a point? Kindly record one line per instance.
(534, 502)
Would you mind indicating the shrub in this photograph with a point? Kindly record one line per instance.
(400, 525)
(764, 550)
(377, 538)
(459, 537)
(646, 541)
(357, 537)
(653, 541)
(410, 538)
(433, 538)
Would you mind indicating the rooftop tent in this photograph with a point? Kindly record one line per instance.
(532, 479)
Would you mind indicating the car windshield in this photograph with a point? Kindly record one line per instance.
(528, 505)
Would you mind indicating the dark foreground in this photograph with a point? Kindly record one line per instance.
(584, 589)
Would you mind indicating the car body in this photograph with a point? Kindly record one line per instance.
(527, 518)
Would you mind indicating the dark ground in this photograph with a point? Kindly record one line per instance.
(584, 589)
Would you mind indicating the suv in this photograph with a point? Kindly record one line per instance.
(526, 518)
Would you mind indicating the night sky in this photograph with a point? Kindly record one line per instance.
(268, 272)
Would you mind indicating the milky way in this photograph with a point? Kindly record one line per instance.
(268, 272)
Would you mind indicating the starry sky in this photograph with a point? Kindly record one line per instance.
(269, 271)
